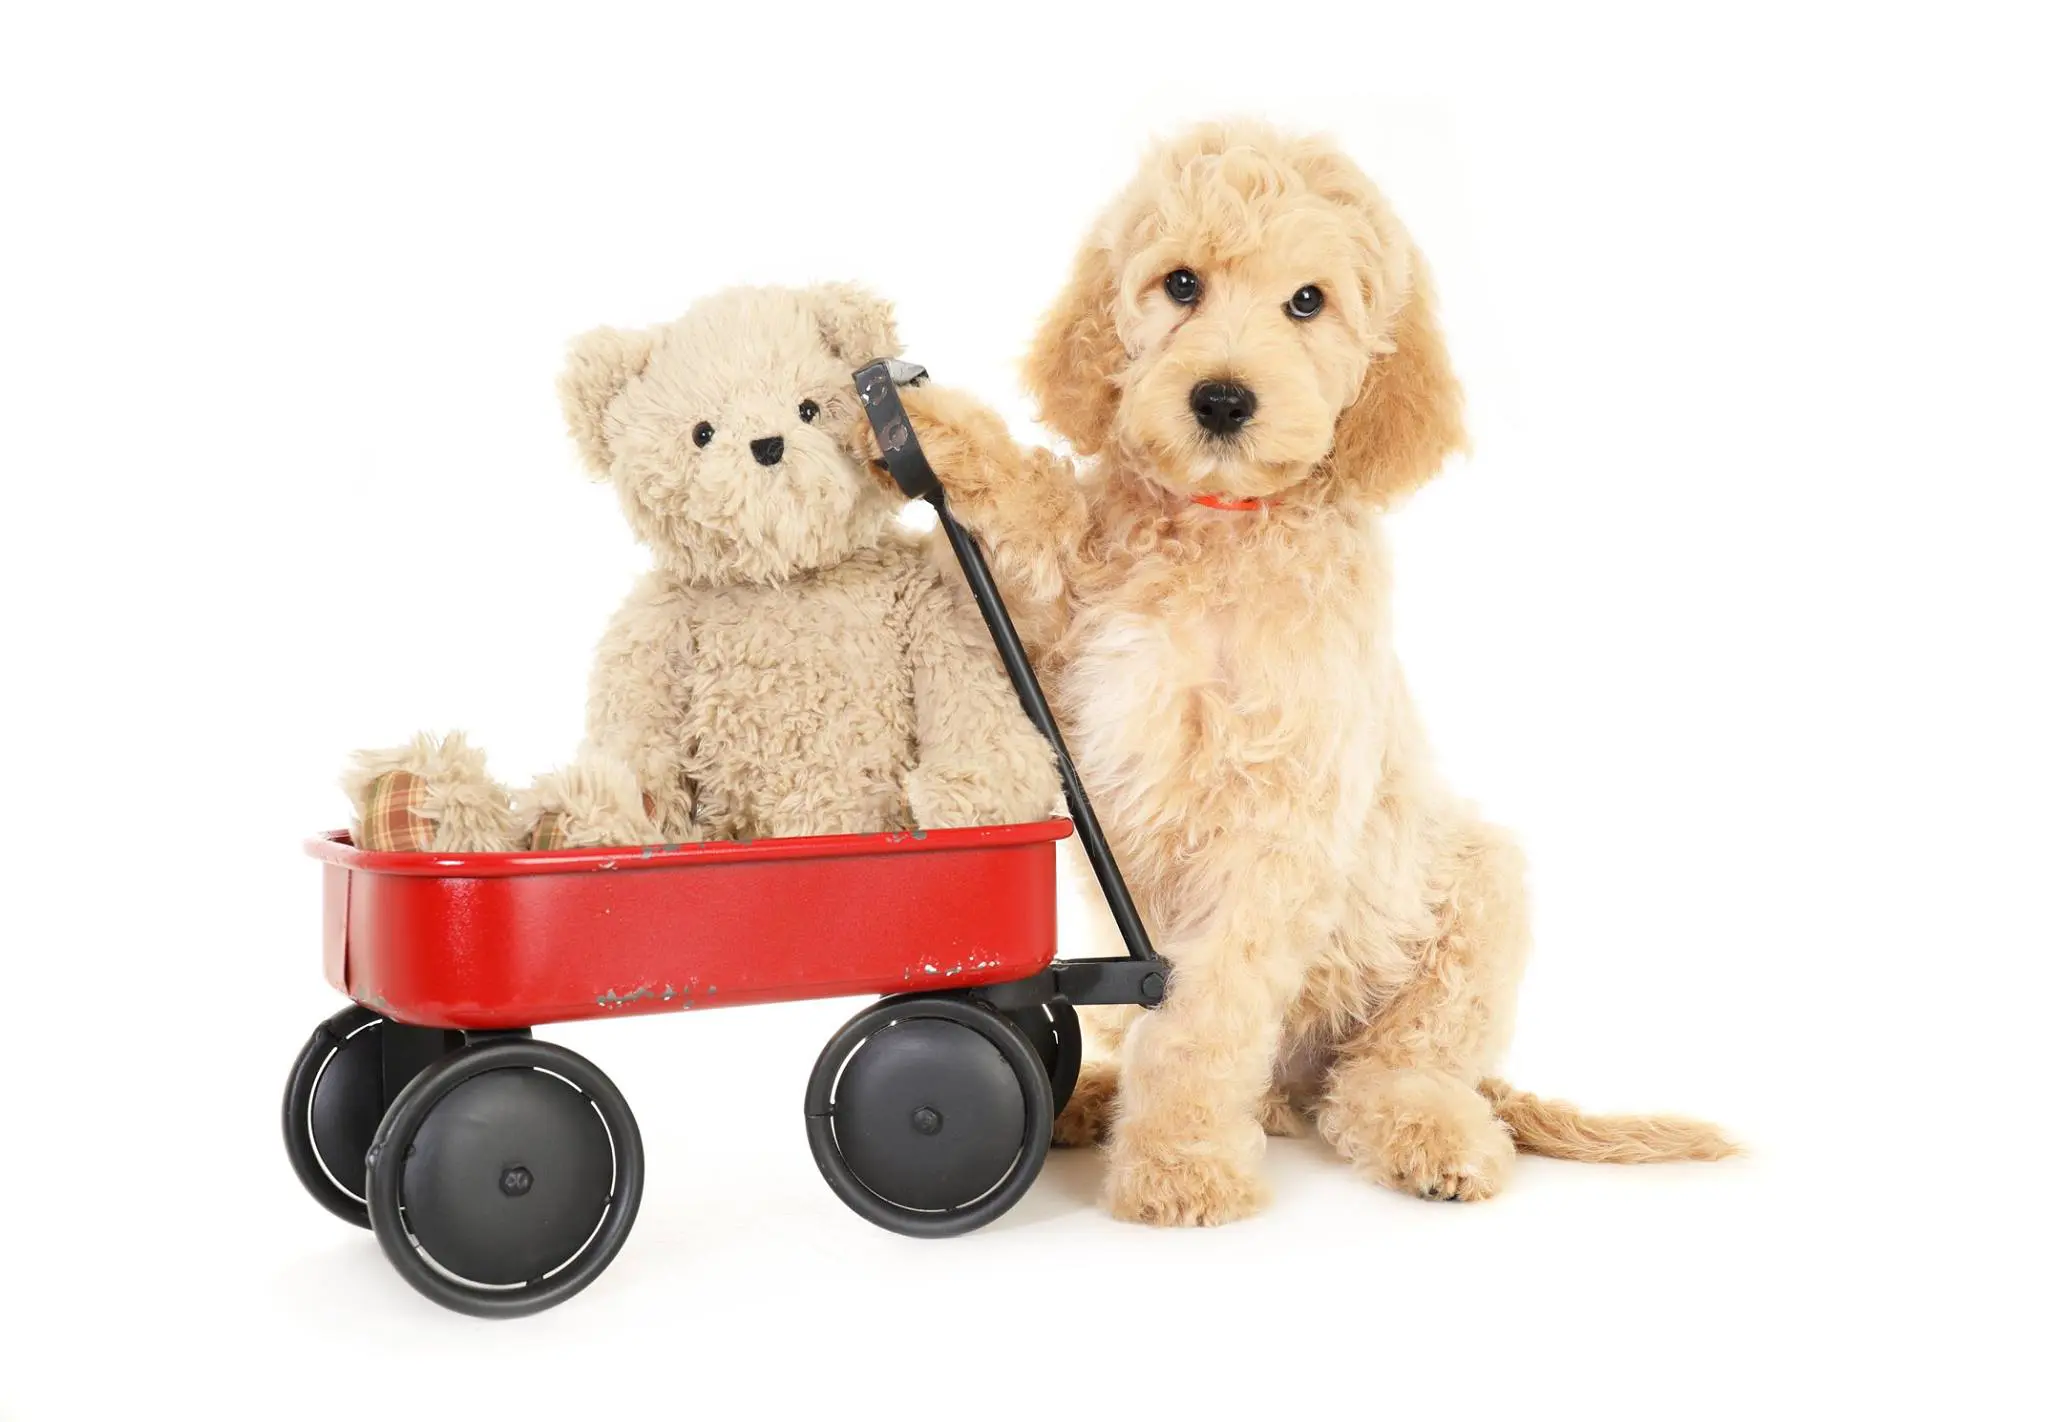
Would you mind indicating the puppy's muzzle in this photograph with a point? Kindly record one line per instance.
(1222, 407)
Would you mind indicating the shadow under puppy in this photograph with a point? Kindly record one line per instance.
(1248, 354)
(792, 665)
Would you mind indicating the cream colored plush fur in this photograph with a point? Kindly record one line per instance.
(1346, 935)
(792, 665)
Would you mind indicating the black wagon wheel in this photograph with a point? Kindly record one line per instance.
(350, 1069)
(930, 1116)
(1054, 1028)
(332, 1103)
(505, 1177)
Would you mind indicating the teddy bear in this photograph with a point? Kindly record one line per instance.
(792, 664)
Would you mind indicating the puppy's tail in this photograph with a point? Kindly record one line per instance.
(1560, 1129)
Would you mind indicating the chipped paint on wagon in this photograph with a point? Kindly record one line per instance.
(612, 997)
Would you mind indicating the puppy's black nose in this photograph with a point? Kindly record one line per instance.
(1222, 407)
(767, 451)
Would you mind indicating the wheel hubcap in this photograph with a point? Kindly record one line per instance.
(508, 1177)
(929, 1115)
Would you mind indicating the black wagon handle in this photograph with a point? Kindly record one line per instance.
(905, 459)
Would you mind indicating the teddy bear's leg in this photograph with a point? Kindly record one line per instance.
(598, 800)
(432, 795)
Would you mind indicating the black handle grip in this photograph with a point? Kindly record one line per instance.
(901, 453)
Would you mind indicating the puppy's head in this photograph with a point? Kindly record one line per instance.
(729, 433)
(1249, 315)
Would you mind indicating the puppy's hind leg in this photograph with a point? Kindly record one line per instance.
(1091, 1109)
(1403, 1101)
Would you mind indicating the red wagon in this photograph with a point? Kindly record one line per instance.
(501, 1174)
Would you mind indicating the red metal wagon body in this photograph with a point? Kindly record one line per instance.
(488, 941)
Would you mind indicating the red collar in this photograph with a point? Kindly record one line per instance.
(1218, 501)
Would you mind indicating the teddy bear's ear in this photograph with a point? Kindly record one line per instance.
(600, 364)
(858, 326)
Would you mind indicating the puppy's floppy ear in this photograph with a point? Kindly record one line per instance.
(600, 364)
(1410, 411)
(857, 325)
(1072, 368)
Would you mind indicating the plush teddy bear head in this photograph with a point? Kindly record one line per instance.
(729, 433)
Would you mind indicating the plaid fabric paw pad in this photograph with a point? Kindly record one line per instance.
(551, 829)
(391, 818)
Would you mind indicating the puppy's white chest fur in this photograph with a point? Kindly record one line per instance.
(1219, 705)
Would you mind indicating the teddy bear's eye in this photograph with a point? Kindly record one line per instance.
(807, 411)
(702, 434)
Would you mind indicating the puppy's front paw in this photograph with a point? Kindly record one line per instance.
(955, 431)
(1198, 1190)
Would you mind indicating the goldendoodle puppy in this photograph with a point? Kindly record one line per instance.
(1247, 354)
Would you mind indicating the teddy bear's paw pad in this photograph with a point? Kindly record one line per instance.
(392, 821)
(597, 802)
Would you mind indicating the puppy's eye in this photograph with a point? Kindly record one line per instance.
(807, 411)
(702, 434)
(1305, 303)
(1183, 286)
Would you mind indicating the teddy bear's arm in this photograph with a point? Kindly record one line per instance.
(1025, 504)
(627, 784)
(979, 760)
(638, 696)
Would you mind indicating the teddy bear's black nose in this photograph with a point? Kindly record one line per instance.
(767, 451)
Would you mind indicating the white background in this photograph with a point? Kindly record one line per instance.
(1735, 613)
